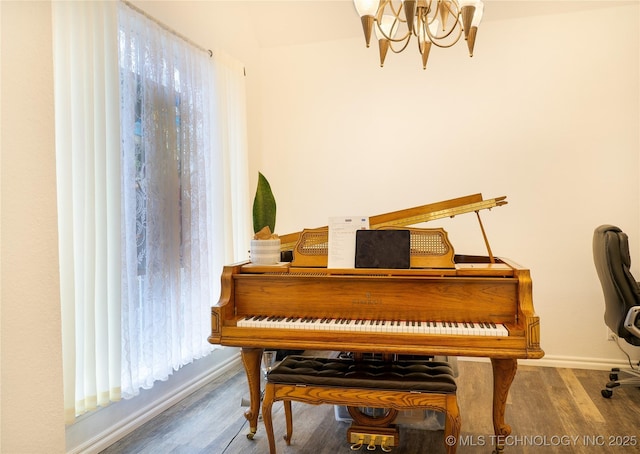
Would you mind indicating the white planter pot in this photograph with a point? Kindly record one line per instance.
(265, 252)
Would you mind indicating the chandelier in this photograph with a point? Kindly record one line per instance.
(431, 22)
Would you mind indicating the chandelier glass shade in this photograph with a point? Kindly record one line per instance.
(431, 22)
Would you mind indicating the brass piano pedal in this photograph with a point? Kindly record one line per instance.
(372, 443)
(384, 444)
(357, 446)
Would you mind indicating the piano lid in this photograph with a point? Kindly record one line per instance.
(402, 218)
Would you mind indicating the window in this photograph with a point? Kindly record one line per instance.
(151, 162)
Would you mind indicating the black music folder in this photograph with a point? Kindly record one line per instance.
(383, 249)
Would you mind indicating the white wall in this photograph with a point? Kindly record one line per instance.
(32, 407)
(546, 113)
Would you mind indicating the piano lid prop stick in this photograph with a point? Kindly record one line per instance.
(486, 240)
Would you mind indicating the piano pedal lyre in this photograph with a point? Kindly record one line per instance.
(372, 437)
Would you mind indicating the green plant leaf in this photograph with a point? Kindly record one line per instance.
(264, 206)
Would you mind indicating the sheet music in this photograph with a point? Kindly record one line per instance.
(342, 240)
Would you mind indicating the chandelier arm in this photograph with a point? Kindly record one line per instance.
(397, 40)
(426, 29)
(406, 43)
(383, 6)
(396, 14)
(435, 38)
(390, 38)
(435, 41)
(397, 19)
(456, 25)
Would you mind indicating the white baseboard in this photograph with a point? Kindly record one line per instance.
(569, 362)
(95, 432)
(575, 362)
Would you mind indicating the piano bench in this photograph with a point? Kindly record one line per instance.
(397, 385)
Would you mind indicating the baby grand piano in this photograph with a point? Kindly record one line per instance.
(450, 305)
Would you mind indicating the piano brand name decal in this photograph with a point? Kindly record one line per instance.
(367, 300)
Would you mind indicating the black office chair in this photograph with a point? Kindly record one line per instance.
(621, 297)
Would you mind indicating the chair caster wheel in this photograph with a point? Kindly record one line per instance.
(613, 377)
(250, 436)
(607, 393)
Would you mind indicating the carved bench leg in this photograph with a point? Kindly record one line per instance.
(267, 403)
(289, 418)
(452, 424)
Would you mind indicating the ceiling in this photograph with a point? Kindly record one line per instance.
(294, 22)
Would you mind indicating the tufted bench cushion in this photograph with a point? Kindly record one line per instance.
(410, 375)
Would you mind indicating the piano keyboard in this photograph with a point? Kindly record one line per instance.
(375, 326)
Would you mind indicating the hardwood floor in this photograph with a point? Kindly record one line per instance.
(550, 410)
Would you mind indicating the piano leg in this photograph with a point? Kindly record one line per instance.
(504, 370)
(251, 358)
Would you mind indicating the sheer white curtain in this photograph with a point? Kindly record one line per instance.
(166, 126)
(151, 151)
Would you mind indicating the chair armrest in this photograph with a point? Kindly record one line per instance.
(630, 321)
